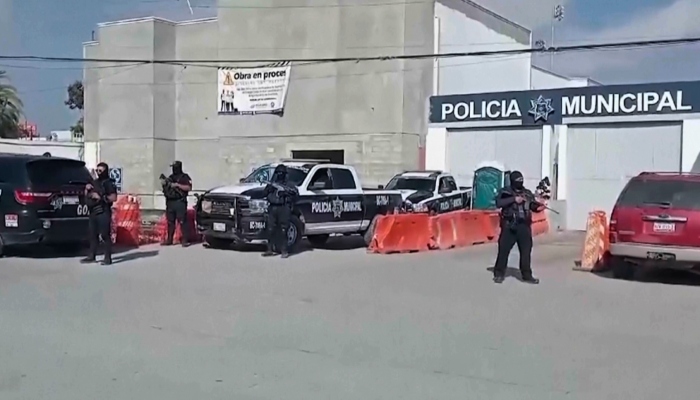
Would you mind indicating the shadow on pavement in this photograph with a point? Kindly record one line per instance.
(662, 276)
(510, 273)
(134, 256)
(57, 251)
(338, 243)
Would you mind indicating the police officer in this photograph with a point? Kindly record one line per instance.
(99, 196)
(517, 205)
(280, 197)
(175, 188)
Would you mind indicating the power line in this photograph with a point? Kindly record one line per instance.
(560, 49)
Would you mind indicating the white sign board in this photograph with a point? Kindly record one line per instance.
(250, 91)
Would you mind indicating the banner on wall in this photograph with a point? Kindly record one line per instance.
(251, 91)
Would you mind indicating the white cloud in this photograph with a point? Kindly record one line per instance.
(680, 19)
(7, 33)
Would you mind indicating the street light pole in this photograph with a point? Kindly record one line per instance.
(557, 16)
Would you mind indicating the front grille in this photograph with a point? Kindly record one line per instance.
(221, 207)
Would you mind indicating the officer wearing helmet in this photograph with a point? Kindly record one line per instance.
(517, 205)
(281, 197)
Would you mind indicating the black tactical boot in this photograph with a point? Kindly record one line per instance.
(499, 279)
(531, 280)
(88, 260)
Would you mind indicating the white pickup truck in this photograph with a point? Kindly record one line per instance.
(430, 191)
(331, 201)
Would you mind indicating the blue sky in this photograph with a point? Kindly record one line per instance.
(37, 28)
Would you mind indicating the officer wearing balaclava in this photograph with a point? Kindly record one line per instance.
(176, 188)
(517, 205)
(281, 197)
(99, 197)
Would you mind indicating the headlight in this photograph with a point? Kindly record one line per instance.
(258, 206)
(420, 208)
(206, 206)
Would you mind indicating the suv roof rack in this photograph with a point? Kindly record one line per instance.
(435, 171)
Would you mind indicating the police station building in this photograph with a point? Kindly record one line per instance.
(588, 140)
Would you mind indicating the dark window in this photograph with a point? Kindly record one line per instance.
(418, 184)
(451, 184)
(263, 174)
(321, 175)
(52, 172)
(671, 194)
(343, 179)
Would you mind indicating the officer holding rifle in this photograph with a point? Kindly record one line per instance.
(99, 197)
(281, 197)
(175, 188)
(517, 205)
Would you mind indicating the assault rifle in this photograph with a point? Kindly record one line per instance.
(169, 190)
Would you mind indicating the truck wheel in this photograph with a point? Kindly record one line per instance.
(622, 269)
(295, 233)
(369, 233)
(2, 247)
(218, 243)
(318, 240)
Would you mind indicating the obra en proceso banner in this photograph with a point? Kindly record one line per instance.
(250, 91)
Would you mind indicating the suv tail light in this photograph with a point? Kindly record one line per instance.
(26, 198)
(612, 228)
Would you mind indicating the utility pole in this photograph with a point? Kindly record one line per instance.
(557, 16)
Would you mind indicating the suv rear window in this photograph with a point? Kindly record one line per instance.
(669, 193)
(418, 184)
(57, 172)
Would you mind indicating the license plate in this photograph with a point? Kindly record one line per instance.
(71, 200)
(660, 256)
(664, 227)
(219, 227)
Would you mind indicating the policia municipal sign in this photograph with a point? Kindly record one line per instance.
(551, 106)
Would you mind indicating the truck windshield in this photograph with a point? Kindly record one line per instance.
(263, 174)
(418, 184)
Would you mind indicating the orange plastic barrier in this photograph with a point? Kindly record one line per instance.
(162, 229)
(596, 243)
(540, 223)
(127, 220)
(402, 233)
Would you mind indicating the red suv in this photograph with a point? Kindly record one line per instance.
(656, 224)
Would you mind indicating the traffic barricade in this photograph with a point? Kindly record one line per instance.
(127, 219)
(540, 223)
(162, 228)
(596, 244)
(402, 233)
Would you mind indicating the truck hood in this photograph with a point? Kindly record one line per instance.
(416, 196)
(245, 189)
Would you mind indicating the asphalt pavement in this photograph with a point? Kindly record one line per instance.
(339, 324)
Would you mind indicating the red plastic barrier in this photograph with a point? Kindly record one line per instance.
(402, 233)
(162, 229)
(540, 224)
(127, 220)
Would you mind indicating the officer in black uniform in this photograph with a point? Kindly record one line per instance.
(99, 197)
(175, 188)
(517, 205)
(281, 197)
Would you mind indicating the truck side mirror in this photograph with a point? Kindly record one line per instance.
(380, 187)
(241, 180)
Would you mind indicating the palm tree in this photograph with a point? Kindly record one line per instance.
(10, 108)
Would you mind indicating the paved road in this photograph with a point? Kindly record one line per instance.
(340, 324)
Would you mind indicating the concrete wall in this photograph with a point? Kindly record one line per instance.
(543, 80)
(144, 117)
(57, 149)
(468, 27)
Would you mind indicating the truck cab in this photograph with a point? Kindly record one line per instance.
(331, 202)
(430, 191)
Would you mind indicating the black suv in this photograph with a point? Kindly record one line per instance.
(41, 201)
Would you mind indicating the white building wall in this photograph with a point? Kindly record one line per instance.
(467, 27)
(37, 148)
(543, 80)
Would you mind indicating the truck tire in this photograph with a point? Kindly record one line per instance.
(218, 243)
(318, 240)
(2, 247)
(295, 233)
(622, 269)
(368, 235)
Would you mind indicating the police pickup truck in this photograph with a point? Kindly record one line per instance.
(331, 201)
(430, 191)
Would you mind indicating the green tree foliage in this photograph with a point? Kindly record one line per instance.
(75, 102)
(10, 108)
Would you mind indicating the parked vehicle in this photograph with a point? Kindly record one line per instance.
(656, 224)
(331, 201)
(41, 200)
(430, 191)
